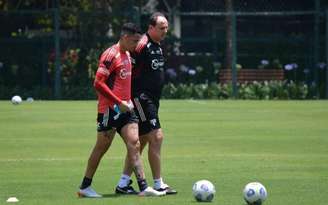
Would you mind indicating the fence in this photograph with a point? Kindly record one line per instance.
(268, 35)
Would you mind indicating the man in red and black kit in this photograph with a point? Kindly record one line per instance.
(115, 111)
(147, 83)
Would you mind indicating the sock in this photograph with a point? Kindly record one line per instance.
(124, 180)
(158, 183)
(86, 182)
(142, 184)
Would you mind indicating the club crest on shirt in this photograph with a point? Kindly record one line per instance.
(124, 73)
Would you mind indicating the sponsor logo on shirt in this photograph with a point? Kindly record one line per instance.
(155, 64)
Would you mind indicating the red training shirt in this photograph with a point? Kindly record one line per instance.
(115, 71)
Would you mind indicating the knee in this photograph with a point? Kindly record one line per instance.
(134, 146)
(156, 140)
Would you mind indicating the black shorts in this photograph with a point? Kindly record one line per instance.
(147, 109)
(113, 120)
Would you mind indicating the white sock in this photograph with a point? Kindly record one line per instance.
(158, 183)
(124, 180)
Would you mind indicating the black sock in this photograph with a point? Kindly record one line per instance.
(142, 184)
(85, 183)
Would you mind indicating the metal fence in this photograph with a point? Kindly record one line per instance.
(268, 34)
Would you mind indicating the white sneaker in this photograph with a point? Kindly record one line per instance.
(167, 189)
(88, 192)
(149, 191)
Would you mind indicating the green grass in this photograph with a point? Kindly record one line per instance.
(44, 147)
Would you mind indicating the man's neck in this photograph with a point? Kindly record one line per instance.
(152, 38)
(121, 47)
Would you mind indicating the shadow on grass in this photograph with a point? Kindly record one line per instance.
(111, 195)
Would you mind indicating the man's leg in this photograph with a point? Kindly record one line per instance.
(123, 186)
(155, 138)
(130, 136)
(104, 140)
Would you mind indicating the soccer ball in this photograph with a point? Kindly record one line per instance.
(16, 100)
(203, 191)
(255, 193)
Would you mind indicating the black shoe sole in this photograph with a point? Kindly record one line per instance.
(171, 192)
(118, 191)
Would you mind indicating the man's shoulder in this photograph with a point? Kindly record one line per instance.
(113, 50)
(142, 44)
(110, 53)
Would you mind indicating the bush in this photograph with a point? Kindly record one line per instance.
(266, 90)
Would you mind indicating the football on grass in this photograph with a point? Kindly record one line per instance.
(255, 193)
(16, 100)
(203, 191)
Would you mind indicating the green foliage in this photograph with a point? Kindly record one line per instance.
(69, 65)
(272, 90)
(91, 59)
(266, 90)
(79, 93)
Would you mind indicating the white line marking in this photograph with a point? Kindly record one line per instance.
(54, 159)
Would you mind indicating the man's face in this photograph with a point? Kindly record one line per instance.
(131, 41)
(158, 32)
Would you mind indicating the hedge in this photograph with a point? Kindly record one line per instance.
(267, 90)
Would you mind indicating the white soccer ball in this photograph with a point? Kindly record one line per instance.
(203, 191)
(16, 100)
(255, 193)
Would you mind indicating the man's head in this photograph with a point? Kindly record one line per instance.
(130, 35)
(157, 27)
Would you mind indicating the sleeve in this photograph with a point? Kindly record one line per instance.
(105, 68)
(105, 64)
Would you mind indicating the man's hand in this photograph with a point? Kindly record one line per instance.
(126, 106)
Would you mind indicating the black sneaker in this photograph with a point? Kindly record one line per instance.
(168, 190)
(126, 190)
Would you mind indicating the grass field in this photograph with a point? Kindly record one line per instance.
(44, 147)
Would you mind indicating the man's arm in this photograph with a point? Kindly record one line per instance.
(101, 86)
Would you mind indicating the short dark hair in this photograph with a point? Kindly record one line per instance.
(130, 29)
(153, 18)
